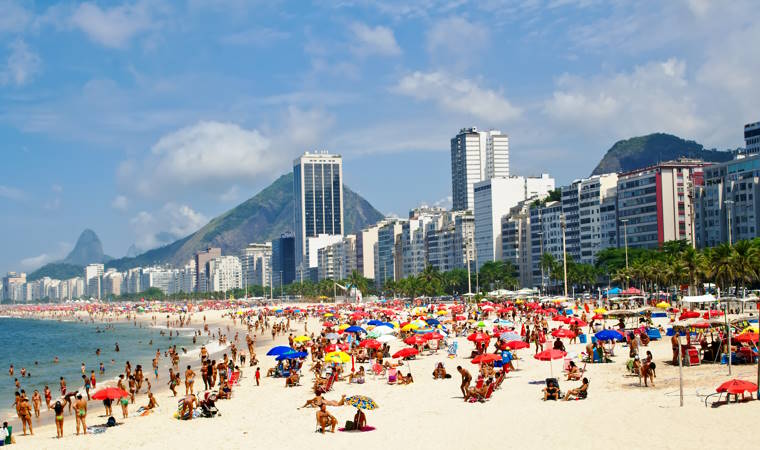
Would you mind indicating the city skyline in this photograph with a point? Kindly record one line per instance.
(142, 127)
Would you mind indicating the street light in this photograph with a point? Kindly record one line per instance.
(564, 250)
(729, 205)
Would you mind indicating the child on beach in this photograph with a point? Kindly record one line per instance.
(258, 376)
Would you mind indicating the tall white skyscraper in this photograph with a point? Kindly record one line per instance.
(318, 195)
(752, 138)
(476, 156)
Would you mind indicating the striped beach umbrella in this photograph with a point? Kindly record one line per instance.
(362, 402)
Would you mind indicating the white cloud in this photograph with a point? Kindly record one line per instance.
(258, 37)
(120, 202)
(34, 262)
(11, 193)
(457, 36)
(13, 17)
(22, 64)
(653, 97)
(373, 40)
(460, 95)
(114, 27)
(173, 221)
(230, 194)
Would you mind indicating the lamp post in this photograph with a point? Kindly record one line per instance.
(729, 205)
(564, 250)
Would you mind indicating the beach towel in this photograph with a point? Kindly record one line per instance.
(453, 349)
(362, 430)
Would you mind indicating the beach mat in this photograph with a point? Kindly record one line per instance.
(362, 430)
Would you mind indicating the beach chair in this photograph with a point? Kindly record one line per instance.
(554, 382)
(327, 387)
(378, 370)
(486, 397)
(453, 349)
(234, 378)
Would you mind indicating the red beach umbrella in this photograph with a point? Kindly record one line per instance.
(517, 345)
(112, 393)
(747, 336)
(370, 343)
(563, 333)
(548, 355)
(736, 387)
(415, 340)
(405, 352)
(485, 358)
(689, 315)
(478, 337)
(438, 336)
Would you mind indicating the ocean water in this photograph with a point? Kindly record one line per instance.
(33, 344)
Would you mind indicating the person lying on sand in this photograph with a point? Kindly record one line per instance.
(318, 401)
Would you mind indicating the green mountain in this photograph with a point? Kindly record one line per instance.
(642, 151)
(259, 219)
(57, 271)
(87, 250)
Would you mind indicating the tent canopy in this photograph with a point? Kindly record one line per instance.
(706, 298)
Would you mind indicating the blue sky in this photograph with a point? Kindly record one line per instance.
(144, 119)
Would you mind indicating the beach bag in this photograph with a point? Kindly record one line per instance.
(111, 422)
(350, 425)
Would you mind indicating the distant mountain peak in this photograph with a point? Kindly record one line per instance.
(261, 218)
(87, 250)
(642, 151)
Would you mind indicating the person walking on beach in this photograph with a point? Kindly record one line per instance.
(63, 387)
(36, 402)
(58, 409)
(48, 396)
(25, 413)
(466, 378)
(86, 385)
(81, 413)
(258, 376)
(189, 380)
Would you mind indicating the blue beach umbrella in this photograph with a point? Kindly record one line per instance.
(279, 350)
(355, 329)
(609, 335)
(432, 322)
(291, 355)
(375, 322)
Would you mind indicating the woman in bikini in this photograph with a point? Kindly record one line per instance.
(58, 409)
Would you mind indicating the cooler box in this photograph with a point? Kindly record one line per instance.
(654, 334)
(670, 332)
(692, 356)
(593, 339)
(582, 338)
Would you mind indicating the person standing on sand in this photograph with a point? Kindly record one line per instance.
(674, 342)
(36, 402)
(58, 409)
(189, 380)
(63, 387)
(48, 396)
(258, 376)
(81, 413)
(466, 378)
(25, 413)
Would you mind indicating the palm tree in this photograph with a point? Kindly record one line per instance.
(356, 280)
(693, 263)
(746, 263)
(431, 281)
(723, 266)
(549, 264)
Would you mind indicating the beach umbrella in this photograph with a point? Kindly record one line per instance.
(517, 345)
(550, 355)
(328, 324)
(712, 313)
(609, 335)
(302, 338)
(578, 322)
(509, 337)
(747, 336)
(375, 322)
(409, 326)
(362, 402)
(597, 317)
(370, 343)
(291, 355)
(736, 387)
(600, 310)
(386, 338)
(331, 336)
(112, 393)
(355, 329)
(663, 305)
(485, 358)
(689, 315)
(435, 336)
(701, 325)
(751, 328)
(478, 337)
(432, 322)
(406, 352)
(382, 330)
(279, 350)
(563, 333)
(415, 340)
(341, 357)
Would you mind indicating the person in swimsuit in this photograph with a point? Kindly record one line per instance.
(25, 412)
(36, 402)
(48, 396)
(188, 406)
(189, 380)
(124, 401)
(81, 410)
(466, 378)
(325, 419)
(58, 409)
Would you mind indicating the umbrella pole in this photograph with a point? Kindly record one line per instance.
(680, 369)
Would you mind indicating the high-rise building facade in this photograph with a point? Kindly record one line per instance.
(256, 260)
(752, 139)
(318, 194)
(493, 200)
(654, 204)
(93, 274)
(225, 273)
(476, 156)
(731, 193)
(594, 198)
(366, 240)
(388, 236)
(283, 260)
(201, 267)
(13, 286)
(545, 238)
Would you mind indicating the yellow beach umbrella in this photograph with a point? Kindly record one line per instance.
(442, 312)
(341, 357)
(302, 338)
(600, 311)
(751, 329)
(519, 302)
(343, 326)
(329, 314)
(663, 305)
(409, 326)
